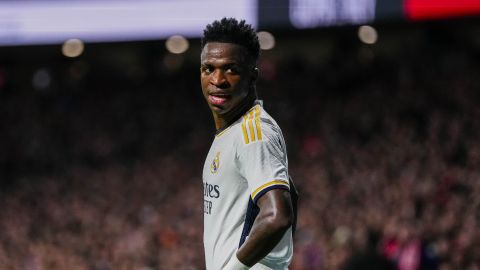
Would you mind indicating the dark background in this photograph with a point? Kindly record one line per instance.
(101, 155)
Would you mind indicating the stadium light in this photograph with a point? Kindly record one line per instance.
(73, 48)
(367, 34)
(177, 44)
(266, 39)
(53, 22)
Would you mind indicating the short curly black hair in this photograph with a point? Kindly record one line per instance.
(230, 30)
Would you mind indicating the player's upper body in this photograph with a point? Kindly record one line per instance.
(247, 205)
(246, 160)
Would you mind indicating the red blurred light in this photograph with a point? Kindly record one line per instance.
(435, 9)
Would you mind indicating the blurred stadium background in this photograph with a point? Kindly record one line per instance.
(103, 130)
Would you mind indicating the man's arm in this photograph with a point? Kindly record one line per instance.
(273, 220)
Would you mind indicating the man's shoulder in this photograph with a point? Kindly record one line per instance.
(257, 125)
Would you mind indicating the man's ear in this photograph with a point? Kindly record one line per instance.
(255, 73)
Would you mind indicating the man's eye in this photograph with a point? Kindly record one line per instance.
(232, 70)
(207, 70)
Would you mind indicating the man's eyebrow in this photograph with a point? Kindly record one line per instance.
(221, 64)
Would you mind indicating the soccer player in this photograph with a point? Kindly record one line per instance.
(248, 212)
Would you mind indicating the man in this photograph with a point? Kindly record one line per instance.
(248, 213)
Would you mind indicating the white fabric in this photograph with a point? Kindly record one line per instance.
(246, 159)
(235, 264)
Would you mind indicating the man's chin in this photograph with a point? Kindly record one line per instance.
(218, 109)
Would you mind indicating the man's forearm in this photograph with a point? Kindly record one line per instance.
(274, 219)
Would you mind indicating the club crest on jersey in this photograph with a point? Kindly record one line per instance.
(215, 163)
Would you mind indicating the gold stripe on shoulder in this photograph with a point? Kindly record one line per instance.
(244, 129)
(250, 126)
(257, 122)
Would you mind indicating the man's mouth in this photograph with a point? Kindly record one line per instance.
(218, 99)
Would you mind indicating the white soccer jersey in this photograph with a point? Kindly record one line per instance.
(246, 160)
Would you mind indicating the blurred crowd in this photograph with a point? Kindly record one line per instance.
(100, 168)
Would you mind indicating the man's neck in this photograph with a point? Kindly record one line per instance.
(223, 121)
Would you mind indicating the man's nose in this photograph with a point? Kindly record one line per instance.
(218, 78)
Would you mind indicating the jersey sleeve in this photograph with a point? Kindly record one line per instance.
(263, 158)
